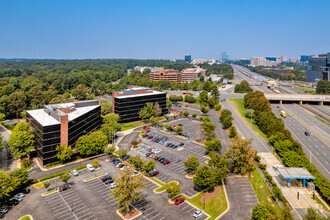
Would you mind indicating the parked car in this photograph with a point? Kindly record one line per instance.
(90, 167)
(156, 151)
(113, 185)
(120, 165)
(18, 198)
(162, 160)
(105, 177)
(180, 148)
(108, 181)
(65, 187)
(4, 210)
(166, 162)
(20, 195)
(148, 154)
(180, 125)
(153, 172)
(136, 173)
(179, 201)
(125, 158)
(307, 133)
(198, 213)
(145, 135)
(181, 144)
(12, 201)
(177, 160)
(150, 136)
(74, 172)
(116, 160)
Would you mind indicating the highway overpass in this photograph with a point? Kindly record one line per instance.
(298, 98)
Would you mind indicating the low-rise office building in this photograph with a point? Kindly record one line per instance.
(191, 74)
(318, 68)
(128, 103)
(166, 74)
(62, 124)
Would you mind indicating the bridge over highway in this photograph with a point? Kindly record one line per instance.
(298, 98)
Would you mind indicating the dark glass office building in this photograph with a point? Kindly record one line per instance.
(318, 68)
(187, 58)
(62, 124)
(128, 103)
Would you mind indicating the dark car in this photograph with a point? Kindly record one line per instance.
(180, 125)
(12, 202)
(153, 172)
(125, 158)
(145, 135)
(121, 165)
(307, 133)
(162, 160)
(148, 154)
(115, 161)
(105, 177)
(108, 181)
(64, 187)
(181, 144)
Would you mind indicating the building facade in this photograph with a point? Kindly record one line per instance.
(191, 74)
(187, 58)
(261, 61)
(318, 68)
(62, 124)
(166, 74)
(128, 103)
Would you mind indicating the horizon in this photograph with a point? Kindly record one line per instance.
(79, 30)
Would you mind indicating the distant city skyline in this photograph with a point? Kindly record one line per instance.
(162, 30)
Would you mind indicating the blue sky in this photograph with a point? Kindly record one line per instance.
(159, 29)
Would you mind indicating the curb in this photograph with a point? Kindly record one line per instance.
(228, 203)
(28, 216)
(121, 216)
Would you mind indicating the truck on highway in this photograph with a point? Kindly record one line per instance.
(283, 114)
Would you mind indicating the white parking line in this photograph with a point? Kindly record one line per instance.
(149, 213)
(190, 209)
(154, 216)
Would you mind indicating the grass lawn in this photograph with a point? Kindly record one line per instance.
(93, 177)
(214, 206)
(263, 193)
(239, 103)
(197, 101)
(26, 217)
(310, 91)
(162, 188)
(157, 181)
(127, 126)
(321, 120)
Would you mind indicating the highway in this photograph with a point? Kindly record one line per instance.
(316, 146)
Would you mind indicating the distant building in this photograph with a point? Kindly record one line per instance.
(187, 58)
(305, 58)
(129, 102)
(276, 70)
(191, 74)
(224, 57)
(261, 61)
(152, 69)
(62, 124)
(294, 60)
(283, 59)
(216, 78)
(318, 68)
(166, 74)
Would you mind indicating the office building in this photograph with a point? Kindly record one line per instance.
(305, 58)
(62, 124)
(166, 74)
(191, 74)
(128, 103)
(261, 61)
(283, 59)
(224, 57)
(152, 69)
(318, 68)
(187, 58)
(294, 60)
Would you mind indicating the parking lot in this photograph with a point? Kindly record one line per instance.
(189, 210)
(68, 205)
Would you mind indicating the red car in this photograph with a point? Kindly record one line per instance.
(179, 201)
(186, 106)
(149, 137)
(153, 172)
(166, 162)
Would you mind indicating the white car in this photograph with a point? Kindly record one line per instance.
(74, 172)
(90, 167)
(156, 151)
(180, 148)
(112, 185)
(20, 195)
(119, 164)
(198, 213)
(136, 173)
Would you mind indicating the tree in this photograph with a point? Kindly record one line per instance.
(11, 181)
(242, 155)
(110, 125)
(205, 110)
(92, 143)
(189, 98)
(194, 115)
(180, 114)
(46, 185)
(217, 107)
(175, 115)
(21, 141)
(203, 96)
(149, 165)
(213, 101)
(168, 126)
(178, 129)
(191, 163)
(173, 189)
(224, 113)
(158, 109)
(204, 178)
(64, 152)
(95, 163)
(213, 145)
(232, 131)
(65, 177)
(80, 92)
(122, 152)
(128, 188)
(186, 113)
(323, 87)
(313, 214)
(147, 111)
(219, 165)
(214, 91)
(260, 212)
(134, 143)
(152, 120)
(110, 150)
(167, 117)
(106, 108)
(16, 103)
(1, 143)
(136, 161)
(249, 113)
(168, 103)
(227, 122)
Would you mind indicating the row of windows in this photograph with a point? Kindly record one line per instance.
(89, 126)
(146, 98)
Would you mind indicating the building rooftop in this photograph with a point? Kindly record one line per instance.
(46, 119)
(294, 173)
(137, 95)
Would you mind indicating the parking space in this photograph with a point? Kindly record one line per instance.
(190, 210)
(149, 212)
(67, 205)
(191, 191)
(103, 190)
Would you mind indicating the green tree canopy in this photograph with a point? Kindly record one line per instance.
(213, 145)
(21, 141)
(173, 189)
(91, 144)
(204, 178)
(260, 212)
(191, 163)
(64, 152)
(149, 165)
(148, 111)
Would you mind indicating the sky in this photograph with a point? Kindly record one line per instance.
(163, 29)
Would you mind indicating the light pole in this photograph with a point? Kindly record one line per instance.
(251, 116)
